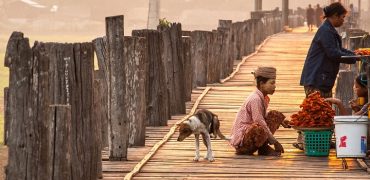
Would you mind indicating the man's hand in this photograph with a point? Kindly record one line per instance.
(278, 147)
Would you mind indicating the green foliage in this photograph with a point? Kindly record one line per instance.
(164, 23)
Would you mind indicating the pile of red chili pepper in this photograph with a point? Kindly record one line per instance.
(362, 51)
(316, 112)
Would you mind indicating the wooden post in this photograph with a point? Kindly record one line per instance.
(257, 5)
(60, 117)
(188, 68)
(359, 9)
(344, 90)
(156, 94)
(245, 35)
(172, 58)
(258, 33)
(7, 117)
(50, 140)
(227, 63)
(102, 75)
(285, 10)
(214, 60)
(70, 83)
(99, 114)
(118, 122)
(199, 55)
(211, 61)
(224, 23)
(18, 59)
(236, 40)
(136, 69)
(251, 36)
(81, 66)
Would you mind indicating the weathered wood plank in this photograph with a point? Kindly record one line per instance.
(172, 57)
(344, 89)
(199, 55)
(18, 59)
(7, 114)
(224, 23)
(60, 116)
(81, 99)
(188, 68)
(100, 48)
(157, 108)
(99, 115)
(136, 68)
(226, 64)
(40, 115)
(118, 122)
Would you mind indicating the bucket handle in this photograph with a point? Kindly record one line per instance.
(360, 116)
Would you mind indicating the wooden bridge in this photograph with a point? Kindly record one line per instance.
(165, 158)
(142, 81)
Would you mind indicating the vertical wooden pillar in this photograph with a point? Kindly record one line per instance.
(224, 23)
(199, 54)
(6, 115)
(359, 9)
(136, 68)
(118, 123)
(157, 98)
(285, 10)
(84, 126)
(188, 69)
(226, 61)
(100, 47)
(257, 5)
(172, 57)
(56, 138)
(215, 61)
(18, 59)
(60, 117)
(98, 116)
(344, 89)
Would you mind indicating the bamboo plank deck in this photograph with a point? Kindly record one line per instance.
(173, 160)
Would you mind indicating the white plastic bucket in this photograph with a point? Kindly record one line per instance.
(351, 135)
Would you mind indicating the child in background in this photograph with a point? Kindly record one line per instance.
(360, 89)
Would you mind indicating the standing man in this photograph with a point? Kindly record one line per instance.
(318, 14)
(310, 14)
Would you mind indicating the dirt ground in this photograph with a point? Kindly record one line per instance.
(3, 160)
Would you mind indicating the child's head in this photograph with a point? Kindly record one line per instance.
(360, 85)
(265, 79)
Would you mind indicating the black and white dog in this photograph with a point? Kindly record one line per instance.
(204, 123)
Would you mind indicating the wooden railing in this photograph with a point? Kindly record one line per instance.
(60, 112)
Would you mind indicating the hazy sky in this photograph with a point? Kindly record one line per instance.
(87, 16)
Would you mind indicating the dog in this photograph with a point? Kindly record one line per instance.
(204, 123)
